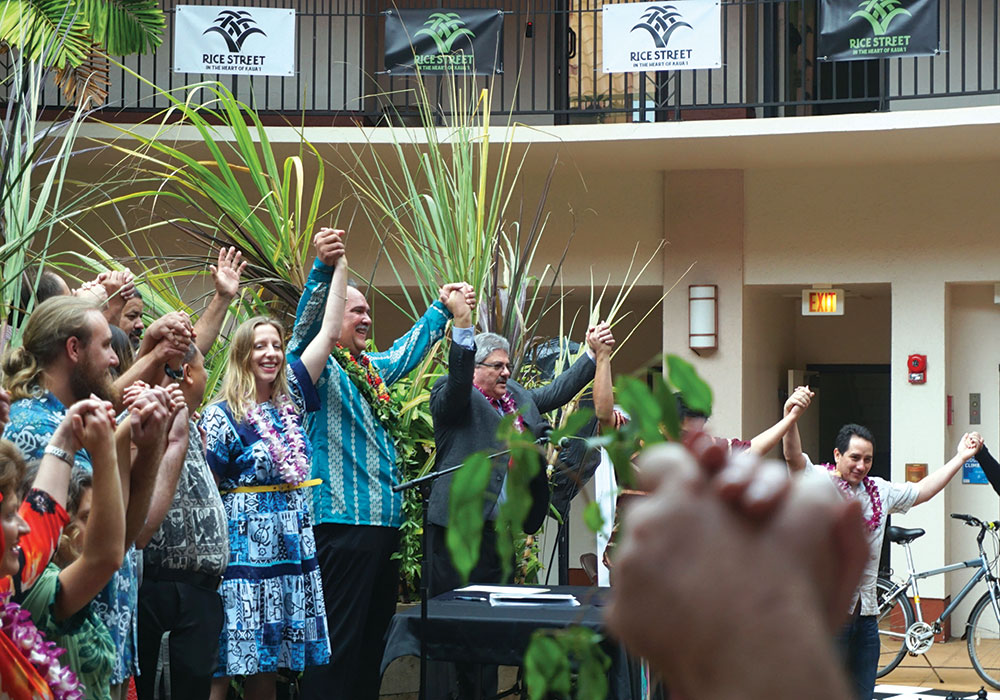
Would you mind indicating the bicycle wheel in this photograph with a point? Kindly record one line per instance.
(895, 615)
(983, 637)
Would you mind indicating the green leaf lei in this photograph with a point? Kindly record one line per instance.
(372, 387)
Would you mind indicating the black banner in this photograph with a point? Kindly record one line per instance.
(853, 31)
(442, 40)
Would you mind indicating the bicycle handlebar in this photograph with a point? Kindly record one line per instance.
(973, 521)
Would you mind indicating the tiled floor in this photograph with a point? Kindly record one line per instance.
(951, 659)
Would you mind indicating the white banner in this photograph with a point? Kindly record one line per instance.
(241, 40)
(652, 36)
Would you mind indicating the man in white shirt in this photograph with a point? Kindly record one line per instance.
(852, 454)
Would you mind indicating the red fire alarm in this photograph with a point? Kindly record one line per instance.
(916, 366)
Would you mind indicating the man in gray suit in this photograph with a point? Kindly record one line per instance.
(467, 407)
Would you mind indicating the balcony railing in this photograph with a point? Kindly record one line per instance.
(553, 72)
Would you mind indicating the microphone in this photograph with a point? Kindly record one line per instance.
(544, 439)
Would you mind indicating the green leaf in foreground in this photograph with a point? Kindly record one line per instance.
(574, 423)
(592, 516)
(546, 667)
(668, 404)
(643, 410)
(566, 663)
(465, 513)
(695, 392)
(525, 464)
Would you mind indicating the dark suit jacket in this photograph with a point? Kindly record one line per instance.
(465, 422)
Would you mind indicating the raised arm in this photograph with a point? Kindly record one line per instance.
(148, 420)
(563, 388)
(931, 485)
(329, 248)
(165, 342)
(791, 442)
(991, 468)
(104, 541)
(410, 349)
(226, 277)
(604, 395)
(765, 442)
(167, 477)
(450, 399)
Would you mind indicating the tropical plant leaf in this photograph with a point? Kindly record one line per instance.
(592, 516)
(643, 410)
(574, 423)
(125, 27)
(465, 513)
(52, 32)
(566, 663)
(695, 392)
(664, 396)
(546, 667)
(86, 84)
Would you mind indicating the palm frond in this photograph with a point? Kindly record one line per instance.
(86, 84)
(125, 27)
(52, 32)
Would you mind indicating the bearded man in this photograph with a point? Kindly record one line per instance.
(65, 357)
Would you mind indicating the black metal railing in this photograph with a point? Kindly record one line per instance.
(553, 72)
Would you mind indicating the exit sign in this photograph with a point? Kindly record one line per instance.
(822, 302)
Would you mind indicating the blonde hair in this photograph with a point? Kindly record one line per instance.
(239, 387)
(50, 325)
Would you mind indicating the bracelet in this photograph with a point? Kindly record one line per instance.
(59, 453)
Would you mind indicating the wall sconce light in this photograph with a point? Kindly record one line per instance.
(703, 317)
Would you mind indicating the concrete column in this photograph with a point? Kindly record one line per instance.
(919, 325)
(703, 225)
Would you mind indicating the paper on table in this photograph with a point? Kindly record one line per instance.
(513, 590)
(546, 599)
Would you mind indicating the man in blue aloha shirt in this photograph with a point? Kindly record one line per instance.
(357, 516)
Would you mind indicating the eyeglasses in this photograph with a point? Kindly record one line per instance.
(498, 366)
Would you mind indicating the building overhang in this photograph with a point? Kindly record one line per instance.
(920, 136)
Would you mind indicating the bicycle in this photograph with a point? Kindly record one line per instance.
(902, 628)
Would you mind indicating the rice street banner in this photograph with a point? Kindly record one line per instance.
(854, 31)
(444, 40)
(234, 40)
(651, 36)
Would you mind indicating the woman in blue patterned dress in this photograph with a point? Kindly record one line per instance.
(271, 591)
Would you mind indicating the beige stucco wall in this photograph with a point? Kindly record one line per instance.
(973, 338)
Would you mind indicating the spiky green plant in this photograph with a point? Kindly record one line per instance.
(242, 195)
(34, 157)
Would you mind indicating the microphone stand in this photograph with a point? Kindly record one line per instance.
(424, 484)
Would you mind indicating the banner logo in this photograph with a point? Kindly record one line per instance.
(444, 28)
(235, 27)
(891, 28)
(880, 13)
(627, 28)
(660, 22)
(440, 40)
(200, 30)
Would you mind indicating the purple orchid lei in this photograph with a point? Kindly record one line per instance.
(15, 622)
(288, 450)
(871, 489)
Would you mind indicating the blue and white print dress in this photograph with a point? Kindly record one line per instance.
(271, 591)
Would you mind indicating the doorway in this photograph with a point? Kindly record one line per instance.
(855, 394)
